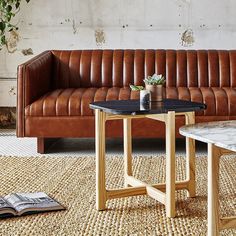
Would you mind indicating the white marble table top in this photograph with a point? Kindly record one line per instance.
(220, 133)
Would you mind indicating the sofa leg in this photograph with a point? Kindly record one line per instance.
(44, 143)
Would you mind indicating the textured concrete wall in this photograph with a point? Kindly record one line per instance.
(8, 92)
(77, 24)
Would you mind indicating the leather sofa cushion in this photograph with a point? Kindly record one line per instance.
(75, 102)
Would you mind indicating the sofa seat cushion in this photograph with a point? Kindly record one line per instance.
(75, 102)
(219, 101)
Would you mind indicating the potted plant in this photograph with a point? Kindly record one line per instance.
(144, 94)
(8, 10)
(155, 84)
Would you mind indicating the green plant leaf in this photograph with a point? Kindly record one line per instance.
(3, 40)
(155, 80)
(8, 10)
(3, 3)
(136, 87)
(2, 26)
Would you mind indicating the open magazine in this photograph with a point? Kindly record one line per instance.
(27, 203)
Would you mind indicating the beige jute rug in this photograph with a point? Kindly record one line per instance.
(72, 182)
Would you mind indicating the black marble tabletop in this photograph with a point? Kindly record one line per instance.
(133, 107)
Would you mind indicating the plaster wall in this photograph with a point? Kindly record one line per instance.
(85, 24)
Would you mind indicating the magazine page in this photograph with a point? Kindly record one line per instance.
(5, 207)
(4, 204)
(32, 202)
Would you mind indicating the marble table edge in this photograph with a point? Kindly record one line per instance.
(219, 127)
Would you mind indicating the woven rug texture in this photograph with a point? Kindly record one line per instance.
(72, 182)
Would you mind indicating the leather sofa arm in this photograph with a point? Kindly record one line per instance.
(34, 79)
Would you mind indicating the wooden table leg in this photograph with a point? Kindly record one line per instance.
(127, 149)
(213, 219)
(190, 157)
(100, 119)
(170, 164)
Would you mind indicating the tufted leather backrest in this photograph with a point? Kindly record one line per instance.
(119, 68)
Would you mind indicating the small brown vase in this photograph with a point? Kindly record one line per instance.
(157, 92)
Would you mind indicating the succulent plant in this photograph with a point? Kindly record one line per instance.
(136, 87)
(155, 80)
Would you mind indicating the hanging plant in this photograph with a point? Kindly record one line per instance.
(8, 9)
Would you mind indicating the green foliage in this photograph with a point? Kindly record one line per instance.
(8, 9)
(155, 80)
(136, 88)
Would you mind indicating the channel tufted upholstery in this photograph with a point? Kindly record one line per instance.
(75, 102)
(56, 87)
(119, 68)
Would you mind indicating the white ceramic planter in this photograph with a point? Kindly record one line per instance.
(145, 96)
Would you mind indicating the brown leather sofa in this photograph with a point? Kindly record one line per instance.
(56, 87)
